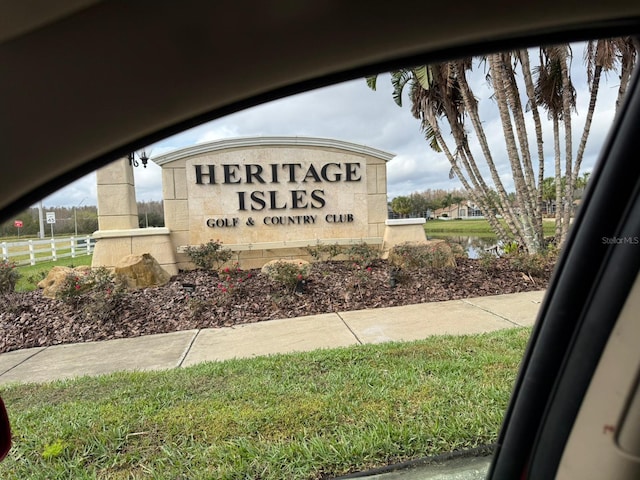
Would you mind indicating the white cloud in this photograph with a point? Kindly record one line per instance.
(354, 113)
(80, 192)
(219, 133)
(148, 182)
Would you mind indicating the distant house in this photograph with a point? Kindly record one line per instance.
(464, 209)
(549, 207)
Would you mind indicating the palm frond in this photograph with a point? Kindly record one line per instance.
(424, 75)
(372, 81)
(430, 136)
(399, 79)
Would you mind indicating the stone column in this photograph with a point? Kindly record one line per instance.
(401, 231)
(118, 235)
(117, 208)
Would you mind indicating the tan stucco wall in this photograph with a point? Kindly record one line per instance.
(113, 245)
(188, 205)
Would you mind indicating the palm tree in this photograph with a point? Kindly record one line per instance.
(509, 106)
(501, 204)
(548, 192)
(604, 56)
(563, 53)
(435, 95)
(549, 90)
(527, 75)
(627, 51)
(582, 181)
(440, 95)
(401, 205)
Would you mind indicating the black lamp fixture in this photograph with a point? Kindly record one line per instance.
(144, 158)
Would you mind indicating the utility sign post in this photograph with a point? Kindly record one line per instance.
(51, 220)
(18, 224)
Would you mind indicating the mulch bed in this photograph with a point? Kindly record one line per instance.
(31, 320)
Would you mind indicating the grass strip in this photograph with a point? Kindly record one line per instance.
(472, 227)
(298, 416)
(32, 274)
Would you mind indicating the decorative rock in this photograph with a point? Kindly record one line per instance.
(141, 271)
(303, 266)
(56, 277)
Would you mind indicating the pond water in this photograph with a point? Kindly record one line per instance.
(474, 246)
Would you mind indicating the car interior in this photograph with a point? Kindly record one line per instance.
(86, 82)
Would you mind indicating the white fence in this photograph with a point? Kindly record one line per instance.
(30, 252)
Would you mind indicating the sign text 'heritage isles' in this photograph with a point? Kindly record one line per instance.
(256, 174)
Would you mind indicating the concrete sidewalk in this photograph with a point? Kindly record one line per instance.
(185, 348)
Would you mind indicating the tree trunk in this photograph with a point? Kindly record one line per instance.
(467, 159)
(567, 93)
(505, 207)
(531, 243)
(625, 76)
(587, 123)
(489, 215)
(558, 172)
(628, 48)
(523, 55)
(513, 99)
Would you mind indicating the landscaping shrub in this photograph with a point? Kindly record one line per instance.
(488, 261)
(360, 280)
(287, 273)
(551, 251)
(96, 294)
(37, 277)
(209, 256)
(363, 254)
(411, 255)
(74, 286)
(9, 276)
(323, 253)
(457, 249)
(511, 248)
(535, 265)
(198, 307)
(231, 280)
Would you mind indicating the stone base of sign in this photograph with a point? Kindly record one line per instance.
(113, 245)
(256, 255)
(402, 231)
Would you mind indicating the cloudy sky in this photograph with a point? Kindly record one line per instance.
(352, 112)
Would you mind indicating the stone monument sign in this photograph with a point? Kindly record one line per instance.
(268, 197)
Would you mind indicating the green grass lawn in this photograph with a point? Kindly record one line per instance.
(472, 228)
(296, 416)
(25, 257)
(32, 274)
